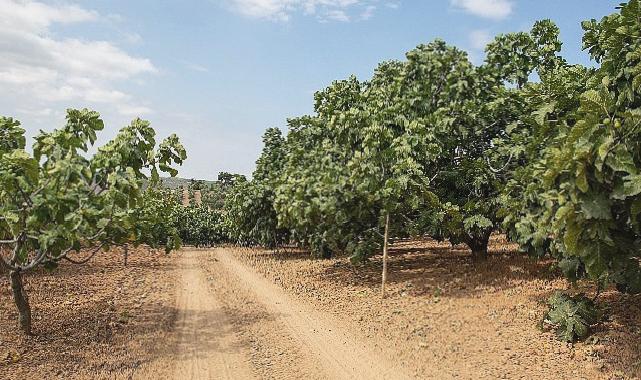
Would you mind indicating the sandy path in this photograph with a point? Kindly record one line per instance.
(207, 341)
(339, 355)
(205, 344)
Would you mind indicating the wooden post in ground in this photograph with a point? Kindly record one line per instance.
(384, 280)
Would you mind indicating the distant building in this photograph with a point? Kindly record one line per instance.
(185, 197)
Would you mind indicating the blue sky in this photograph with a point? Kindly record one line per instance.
(218, 72)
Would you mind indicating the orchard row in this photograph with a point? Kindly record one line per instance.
(433, 145)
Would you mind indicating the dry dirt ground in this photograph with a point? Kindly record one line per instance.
(232, 313)
(447, 317)
(90, 321)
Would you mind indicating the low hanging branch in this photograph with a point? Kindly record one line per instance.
(86, 259)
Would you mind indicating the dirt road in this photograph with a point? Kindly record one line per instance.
(204, 345)
(234, 324)
(250, 313)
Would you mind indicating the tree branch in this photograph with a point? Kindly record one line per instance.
(26, 197)
(86, 259)
(36, 261)
(496, 171)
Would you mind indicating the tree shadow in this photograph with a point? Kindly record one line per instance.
(430, 266)
(83, 317)
(436, 269)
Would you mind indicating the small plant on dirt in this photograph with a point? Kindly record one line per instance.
(124, 317)
(572, 316)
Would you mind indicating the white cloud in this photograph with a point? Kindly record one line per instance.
(195, 67)
(324, 10)
(37, 17)
(43, 69)
(269, 9)
(368, 12)
(492, 9)
(134, 111)
(479, 39)
(337, 15)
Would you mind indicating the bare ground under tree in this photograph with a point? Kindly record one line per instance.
(444, 317)
(448, 316)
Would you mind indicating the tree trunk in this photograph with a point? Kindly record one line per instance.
(22, 301)
(276, 243)
(386, 238)
(126, 254)
(326, 253)
(478, 245)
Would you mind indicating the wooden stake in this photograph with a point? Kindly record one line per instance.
(385, 256)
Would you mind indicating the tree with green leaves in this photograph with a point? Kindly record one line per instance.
(469, 125)
(196, 184)
(414, 142)
(154, 219)
(588, 182)
(200, 226)
(314, 199)
(56, 204)
(227, 180)
(522, 208)
(249, 213)
(449, 98)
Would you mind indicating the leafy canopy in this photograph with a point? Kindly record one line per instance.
(56, 200)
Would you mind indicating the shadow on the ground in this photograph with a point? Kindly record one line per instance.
(430, 266)
(432, 269)
(84, 317)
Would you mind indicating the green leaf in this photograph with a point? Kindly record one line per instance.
(582, 179)
(570, 267)
(572, 316)
(572, 237)
(50, 265)
(632, 185)
(102, 223)
(594, 258)
(596, 206)
(621, 160)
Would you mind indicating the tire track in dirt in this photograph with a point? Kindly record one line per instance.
(319, 335)
(205, 345)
